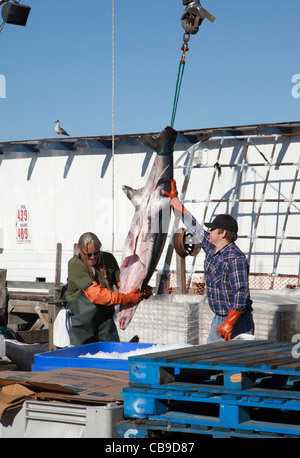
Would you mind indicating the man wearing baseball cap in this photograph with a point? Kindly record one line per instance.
(226, 271)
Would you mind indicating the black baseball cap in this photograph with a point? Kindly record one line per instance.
(226, 222)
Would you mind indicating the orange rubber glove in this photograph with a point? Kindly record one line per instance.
(225, 330)
(131, 298)
(173, 194)
(147, 292)
(102, 296)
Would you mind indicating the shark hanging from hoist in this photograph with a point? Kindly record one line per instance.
(149, 227)
(193, 16)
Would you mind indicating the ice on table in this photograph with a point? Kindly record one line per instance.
(140, 351)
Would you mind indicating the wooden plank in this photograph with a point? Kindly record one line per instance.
(180, 274)
(42, 315)
(57, 285)
(34, 336)
(253, 354)
(37, 325)
(29, 296)
(23, 285)
(227, 354)
(17, 306)
(276, 362)
(295, 364)
(211, 352)
(170, 356)
(53, 309)
(257, 360)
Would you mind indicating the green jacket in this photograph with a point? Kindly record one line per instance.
(79, 277)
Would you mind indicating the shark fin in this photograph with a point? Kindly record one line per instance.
(134, 195)
(163, 142)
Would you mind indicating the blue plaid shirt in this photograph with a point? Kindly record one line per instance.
(226, 272)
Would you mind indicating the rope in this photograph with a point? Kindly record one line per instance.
(177, 91)
(113, 125)
(184, 48)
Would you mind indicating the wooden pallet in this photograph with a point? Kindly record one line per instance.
(234, 360)
(194, 408)
(238, 385)
(148, 429)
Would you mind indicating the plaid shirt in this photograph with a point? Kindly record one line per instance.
(226, 272)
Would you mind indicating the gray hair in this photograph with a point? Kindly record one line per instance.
(86, 238)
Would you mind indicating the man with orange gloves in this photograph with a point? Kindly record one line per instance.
(226, 272)
(92, 275)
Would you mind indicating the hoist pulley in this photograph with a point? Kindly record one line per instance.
(14, 13)
(193, 16)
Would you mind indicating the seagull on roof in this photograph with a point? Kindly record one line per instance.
(59, 130)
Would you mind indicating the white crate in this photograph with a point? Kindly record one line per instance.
(276, 315)
(205, 319)
(173, 318)
(165, 319)
(59, 420)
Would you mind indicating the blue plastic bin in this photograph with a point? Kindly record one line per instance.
(69, 357)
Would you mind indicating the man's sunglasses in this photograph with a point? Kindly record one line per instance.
(89, 255)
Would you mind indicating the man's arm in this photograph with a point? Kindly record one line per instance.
(238, 276)
(192, 225)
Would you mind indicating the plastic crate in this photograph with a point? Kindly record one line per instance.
(276, 315)
(39, 419)
(74, 356)
(166, 319)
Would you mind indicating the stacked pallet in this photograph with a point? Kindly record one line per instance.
(230, 389)
(166, 319)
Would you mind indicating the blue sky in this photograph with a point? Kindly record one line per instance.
(238, 70)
